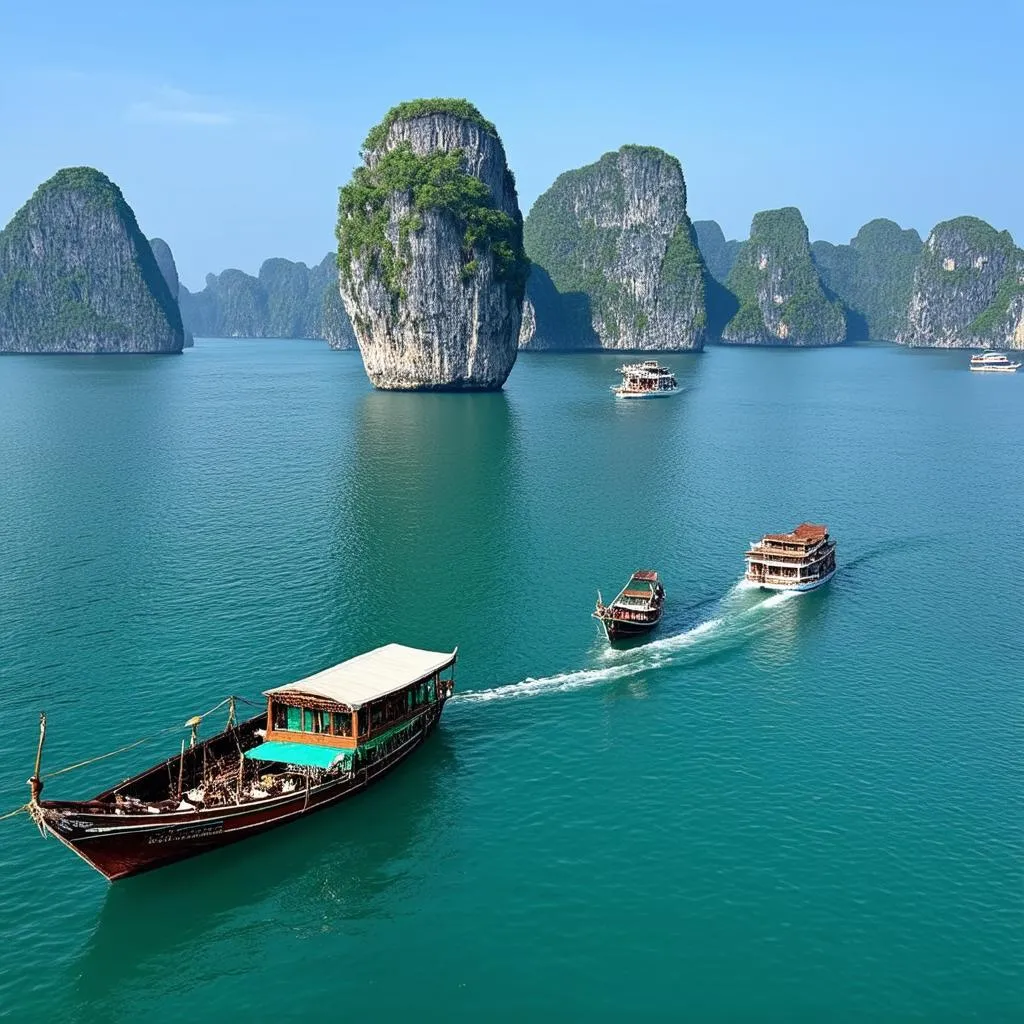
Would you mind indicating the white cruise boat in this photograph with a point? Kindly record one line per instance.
(646, 380)
(993, 362)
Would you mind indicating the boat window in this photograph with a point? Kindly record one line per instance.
(364, 721)
(295, 719)
(342, 723)
(279, 716)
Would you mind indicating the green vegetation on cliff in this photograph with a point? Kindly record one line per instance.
(968, 277)
(462, 109)
(990, 326)
(438, 182)
(780, 294)
(642, 276)
(719, 254)
(873, 275)
(77, 274)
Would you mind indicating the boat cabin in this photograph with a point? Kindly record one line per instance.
(800, 558)
(326, 717)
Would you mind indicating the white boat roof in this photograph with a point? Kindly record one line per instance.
(368, 676)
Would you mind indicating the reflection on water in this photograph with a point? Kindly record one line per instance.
(426, 525)
(335, 868)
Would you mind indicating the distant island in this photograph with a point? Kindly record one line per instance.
(439, 280)
(285, 300)
(77, 274)
(615, 258)
(777, 287)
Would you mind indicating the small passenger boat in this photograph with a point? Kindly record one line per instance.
(992, 362)
(802, 560)
(646, 380)
(636, 610)
(321, 739)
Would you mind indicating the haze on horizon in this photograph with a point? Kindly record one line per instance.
(229, 126)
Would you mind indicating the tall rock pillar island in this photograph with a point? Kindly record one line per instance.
(430, 251)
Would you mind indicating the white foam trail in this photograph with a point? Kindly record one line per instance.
(635, 660)
(549, 684)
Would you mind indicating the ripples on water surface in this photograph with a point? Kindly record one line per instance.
(780, 808)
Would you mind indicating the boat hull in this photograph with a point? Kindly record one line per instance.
(798, 588)
(647, 394)
(996, 369)
(624, 630)
(125, 845)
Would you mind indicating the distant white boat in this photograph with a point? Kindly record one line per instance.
(646, 380)
(993, 362)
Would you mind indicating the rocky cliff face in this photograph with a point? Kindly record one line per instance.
(430, 252)
(781, 298)
(77, 274)
(719, 254)
(615, 236)
(873, 276)
(165, 261)
(286, 300)
(968, 289)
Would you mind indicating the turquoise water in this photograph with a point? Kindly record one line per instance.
(781, 808)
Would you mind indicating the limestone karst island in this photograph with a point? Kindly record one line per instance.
(439, 282)
(430, 251)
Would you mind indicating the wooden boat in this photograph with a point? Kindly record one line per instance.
(636, 610)
(802, 560)
(321, 739)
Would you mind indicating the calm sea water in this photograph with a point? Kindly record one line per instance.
(780, 809)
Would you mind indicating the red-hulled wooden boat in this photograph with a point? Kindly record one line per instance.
(637, 609)
(322, 739)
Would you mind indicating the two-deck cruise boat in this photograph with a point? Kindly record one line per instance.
(646, 380)
(992, 362)
(802, 560)
(321, 739)
(636, 610)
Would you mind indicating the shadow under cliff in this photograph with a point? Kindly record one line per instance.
(564, 320)
(721, 304)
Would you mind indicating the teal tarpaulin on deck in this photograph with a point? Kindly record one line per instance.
(306, 754)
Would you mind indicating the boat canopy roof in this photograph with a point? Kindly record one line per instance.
(368, 676)
(806, 532)
(305, 754)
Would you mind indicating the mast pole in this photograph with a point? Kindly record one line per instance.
(181, 767)
(35, 784)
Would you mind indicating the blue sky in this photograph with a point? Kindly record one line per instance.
(229, 126)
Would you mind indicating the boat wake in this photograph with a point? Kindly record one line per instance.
(735, 621)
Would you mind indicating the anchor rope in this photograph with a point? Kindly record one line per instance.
(113, 753)
(138, 743)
